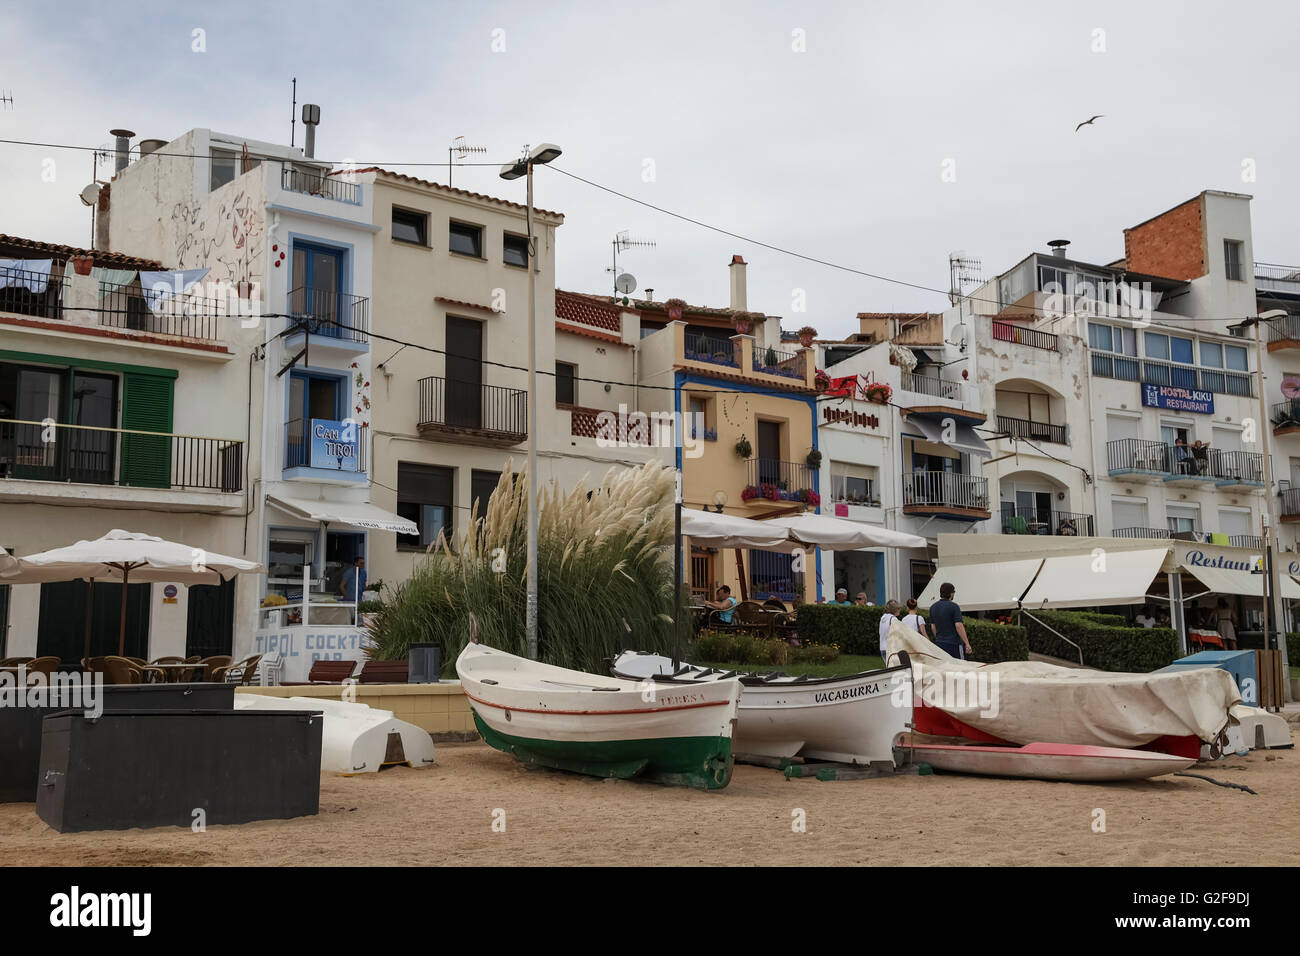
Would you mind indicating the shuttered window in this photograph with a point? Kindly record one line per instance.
(147, 407)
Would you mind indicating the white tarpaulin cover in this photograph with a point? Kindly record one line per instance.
(712, 530)
(1092, 580)
(356, 514)
(983, 587)
(837, 534)
(1034, 702)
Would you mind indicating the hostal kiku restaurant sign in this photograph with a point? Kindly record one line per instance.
(842, 416)
(1178, 399)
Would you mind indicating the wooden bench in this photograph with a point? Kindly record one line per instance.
(326, 672)
(383, 672)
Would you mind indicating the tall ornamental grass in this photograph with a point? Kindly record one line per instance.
(605, 575)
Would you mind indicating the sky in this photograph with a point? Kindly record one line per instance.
(878, 136)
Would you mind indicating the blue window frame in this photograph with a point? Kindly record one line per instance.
(312, 395)
(318, 286)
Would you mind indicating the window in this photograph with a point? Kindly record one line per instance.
(1180, 350)
(1235, 357)
(515, 250)
(1157, 345)
(1212, 355)
(224, 164)
(481, 486)
(311, 397)
(566, 386)
(465, 240)
(1232, 258)
(1128, 513)
(412, 227)
(1183, 519)
(424, 496)
(1110, 338)
(1234, 521)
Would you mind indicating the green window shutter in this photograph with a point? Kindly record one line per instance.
(147, 406)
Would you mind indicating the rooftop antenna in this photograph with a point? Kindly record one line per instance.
(962, 271)
(7, 99)
(462, 150)
(293, 113)
(621, 243)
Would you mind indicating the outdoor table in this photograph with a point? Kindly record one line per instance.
(174, 672)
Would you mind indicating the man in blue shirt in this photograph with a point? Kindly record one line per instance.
(724, 605)
(946, 623)
(353, 584)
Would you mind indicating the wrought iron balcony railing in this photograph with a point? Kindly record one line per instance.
(318, 184)
(487, 411)
(1034, 431)
(945, 488)
(333, 314)
(188, 315)
(1046, 521)
(1010, 332)
(1154, 372)
(17, 295)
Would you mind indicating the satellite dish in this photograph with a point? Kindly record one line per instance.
(90, 195)
(625, 284)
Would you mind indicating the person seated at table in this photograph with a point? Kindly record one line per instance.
(1067, 527)
(725, 605)
(861, 599)
(1144, 618)
(841, 597)
(1162, 619)
(1183, 455)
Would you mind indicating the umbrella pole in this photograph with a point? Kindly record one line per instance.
(90, 607)
(121, 634)
(740, 571)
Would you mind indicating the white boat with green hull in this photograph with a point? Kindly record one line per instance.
(554, 717)
(855, 718)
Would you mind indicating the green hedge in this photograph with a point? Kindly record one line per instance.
(737, 647)
(1105, 646)
(1255, 642)
(856, 629)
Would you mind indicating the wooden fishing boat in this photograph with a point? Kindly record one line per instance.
(1041, 761)
(568, 720)
(850, 719)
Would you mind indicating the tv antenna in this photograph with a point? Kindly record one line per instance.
(462, 150)
(962, 271)
(7, 99)
(621, 243)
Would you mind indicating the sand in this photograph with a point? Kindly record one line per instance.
(444, 815)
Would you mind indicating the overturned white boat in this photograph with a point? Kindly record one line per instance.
(355, 738)
(851, 719)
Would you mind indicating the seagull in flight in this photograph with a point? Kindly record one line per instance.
(1088, 122)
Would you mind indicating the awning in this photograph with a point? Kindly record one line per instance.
(962, 436)
(1088, 580)
(353, 514)
(989, 586)
(1231, 581)
(711, 530)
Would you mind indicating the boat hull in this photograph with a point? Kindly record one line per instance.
(567, 720)
(1066, 762)
(854, 719)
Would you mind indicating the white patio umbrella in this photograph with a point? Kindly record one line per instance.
(836, 534)
(713, 530)
(125, 556)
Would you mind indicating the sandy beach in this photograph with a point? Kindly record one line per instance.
(444, 815)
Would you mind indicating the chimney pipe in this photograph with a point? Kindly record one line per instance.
(1058, 247)
(123, 140)
(649, 295)
(310, 119)
(739, 300)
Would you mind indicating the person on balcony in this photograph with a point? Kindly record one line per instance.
(1201, 456)
(1183, 455)
(1067, 527)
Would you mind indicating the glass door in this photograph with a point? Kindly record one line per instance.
(91, 448)
(317, 284)
(35, 446)
(311, 397)
(464, 388)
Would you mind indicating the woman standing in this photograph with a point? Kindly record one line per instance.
(887, 619)
(1227, 625)
(914, 619)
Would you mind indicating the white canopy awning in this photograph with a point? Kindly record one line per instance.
(962, 437)
(838, 534)
(989, 586)
(1231, 581)
(1088, 580)
(712, 530)
(355, 514)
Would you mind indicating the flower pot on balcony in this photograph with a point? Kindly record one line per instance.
(82, 264)
(675, 308)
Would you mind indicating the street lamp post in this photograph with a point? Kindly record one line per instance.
(524, 167)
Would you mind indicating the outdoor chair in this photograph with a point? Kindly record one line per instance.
(775, 604)
(43, 665)
(210, 665)
(120, 670)
(15, 661)
(716, 623)
(241, 673)
(168, 660)
(383, 672)
(753, 617)
(1018, 525)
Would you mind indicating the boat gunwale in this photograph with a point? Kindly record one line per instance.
(752, 678)
(640, 711)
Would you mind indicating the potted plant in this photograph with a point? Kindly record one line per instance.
(806, 336)
(878, 392)
(675, 308)
(743, 322)
(82, 264)
(814, 459)
(743, 448)
(769, 358)
(821, 381)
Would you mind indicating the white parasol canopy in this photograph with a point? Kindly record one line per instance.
(126, 556)
(730, 531)
(836, 534)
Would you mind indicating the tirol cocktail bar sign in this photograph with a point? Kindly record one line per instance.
(1178, 399)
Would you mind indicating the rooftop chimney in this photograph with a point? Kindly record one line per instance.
(310, 119)
(1058, 247)
(123, 138)
(738, 296)
(649, 295)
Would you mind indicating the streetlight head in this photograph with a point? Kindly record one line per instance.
(544, 154)
(513, 170)
(1273, 314)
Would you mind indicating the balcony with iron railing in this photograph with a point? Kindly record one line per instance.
(335, 316)
(947, 495)
(160, 311)
(30, 293)
(1034, 431)
(118, 457)
(735, 357)
(1252, 541)
(472, 412)
(1283, 332)
(1021, 335)
(1271, 277)
(1162, 533)
(932, 385)
(1288, 504)
(314, 183)
(1046, 521)
(772, 361)
(772, 481)
(1155, 372)
(1140, 459)
(1285, 417)
(714, 349)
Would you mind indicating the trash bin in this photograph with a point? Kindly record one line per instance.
(424, 661)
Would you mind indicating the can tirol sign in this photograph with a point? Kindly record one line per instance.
(335, 445)
(1178, 399)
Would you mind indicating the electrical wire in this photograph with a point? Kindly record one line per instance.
(343, 165)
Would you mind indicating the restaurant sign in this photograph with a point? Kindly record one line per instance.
(1178, 399)
(842, 416)
(335, 445)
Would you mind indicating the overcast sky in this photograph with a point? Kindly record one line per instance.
(837, 150)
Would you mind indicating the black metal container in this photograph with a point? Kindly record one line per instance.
(424, 661)
(157, 768)
(20, 727)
